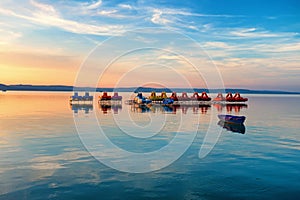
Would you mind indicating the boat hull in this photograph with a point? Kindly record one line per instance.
(232, 119)
(233, 127)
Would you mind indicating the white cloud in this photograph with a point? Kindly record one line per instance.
(48, 19)
(219, 45)
(170, 57)
(113, 14)
(94, 5)
(107, 12)
(177, 17)
(285, 47)
(44, 8)
(125, 6)
(252, 33)
(158, 19)
(7, 36)
(169, 11)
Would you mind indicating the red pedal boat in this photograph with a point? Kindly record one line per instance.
(104, 97)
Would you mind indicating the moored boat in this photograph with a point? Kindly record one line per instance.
(184, 97)
(236, 98)
(233, 127)
(116, 97)
(75, 97)
(219, 97)
(195, 97)
(204, 97)
(232, 118)
(87, 97)
(81, 99)
(104, 97)
(140, 99)
(174, 96)
(154, 97)
(167, 101)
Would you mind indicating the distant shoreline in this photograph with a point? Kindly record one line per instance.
(63, 88)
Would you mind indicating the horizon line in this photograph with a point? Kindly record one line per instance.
(133, 87)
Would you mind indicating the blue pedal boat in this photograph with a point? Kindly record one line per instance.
(232, 119)
(167, 101)
(233, 127)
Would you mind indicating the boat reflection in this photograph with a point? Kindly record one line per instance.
(85, 107)
(230, 107)
(108, 106)
(236, 128)
(195, 108)
(140, 108)
(170, 109)
(204, 108)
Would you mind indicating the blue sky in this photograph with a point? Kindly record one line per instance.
(254, 44)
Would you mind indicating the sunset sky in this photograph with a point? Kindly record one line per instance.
(254, 44)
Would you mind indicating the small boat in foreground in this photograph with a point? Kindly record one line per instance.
(232, 119)
(236, 128)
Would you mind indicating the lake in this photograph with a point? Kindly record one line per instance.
(51, 150)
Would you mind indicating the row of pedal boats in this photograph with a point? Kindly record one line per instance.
(88, 97)
(196, 97)
(163, 98)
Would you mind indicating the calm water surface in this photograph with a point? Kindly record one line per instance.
(42, 157)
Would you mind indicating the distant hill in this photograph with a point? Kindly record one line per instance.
(36, 87)
(65, 88)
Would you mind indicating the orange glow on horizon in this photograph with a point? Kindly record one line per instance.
(22, 68)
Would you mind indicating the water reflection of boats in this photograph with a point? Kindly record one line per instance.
(204, 108)
(140, 108)
(171, 109)
(107, 106)
(236, 128)
(195, 108)
(230, 107)
(85, 107)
